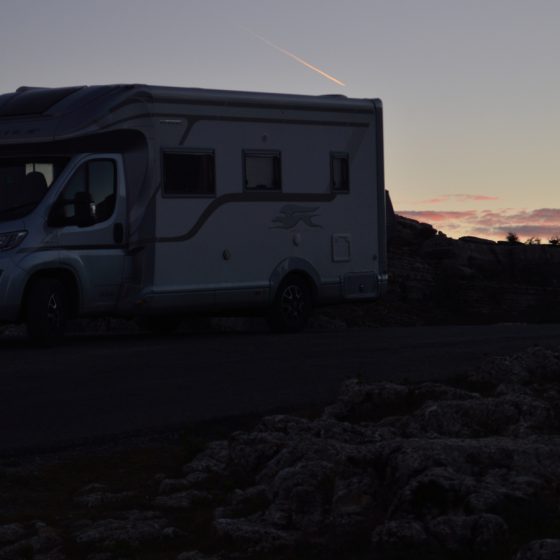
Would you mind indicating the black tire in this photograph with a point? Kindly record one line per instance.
(292, 306)
(46, 311)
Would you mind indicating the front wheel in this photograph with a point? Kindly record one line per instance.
(45, 312)
(292, 306)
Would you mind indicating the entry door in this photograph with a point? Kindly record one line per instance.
(94, 247)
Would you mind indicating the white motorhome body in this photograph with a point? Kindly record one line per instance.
(162, 201)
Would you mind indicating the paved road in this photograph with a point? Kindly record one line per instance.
(100, 385)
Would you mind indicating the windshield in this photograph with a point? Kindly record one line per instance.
(24, 181)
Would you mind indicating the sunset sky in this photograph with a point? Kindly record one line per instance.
(470, 88)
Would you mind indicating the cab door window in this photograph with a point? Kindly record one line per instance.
(89, 196)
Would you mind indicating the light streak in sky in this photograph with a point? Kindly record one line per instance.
(298, 59)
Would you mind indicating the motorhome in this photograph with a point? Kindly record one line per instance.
(159, 202)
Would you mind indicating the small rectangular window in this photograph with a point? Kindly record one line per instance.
(340, 181)
(262, 171)
(188, 174)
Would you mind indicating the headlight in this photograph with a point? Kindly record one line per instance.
(10, 240)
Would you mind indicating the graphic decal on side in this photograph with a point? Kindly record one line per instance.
(292, 214)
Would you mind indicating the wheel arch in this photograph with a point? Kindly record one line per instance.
(294, 266)
(66, 277)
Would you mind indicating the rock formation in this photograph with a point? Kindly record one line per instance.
(468, 468)
(452, 471)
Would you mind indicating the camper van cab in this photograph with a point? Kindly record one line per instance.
(158, 202)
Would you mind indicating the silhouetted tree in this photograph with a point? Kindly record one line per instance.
(533, 241)
(512, 237)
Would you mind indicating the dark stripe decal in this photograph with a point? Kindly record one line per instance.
(203, 218)
(245, 197)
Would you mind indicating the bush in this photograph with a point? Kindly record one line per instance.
(533, 241)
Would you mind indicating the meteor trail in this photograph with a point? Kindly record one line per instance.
(298, 59)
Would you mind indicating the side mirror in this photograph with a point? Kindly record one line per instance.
(84, 209)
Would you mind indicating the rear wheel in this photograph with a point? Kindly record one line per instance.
(292, 305)
(45, 311)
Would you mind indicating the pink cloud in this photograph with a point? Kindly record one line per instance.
(478, 197)
(437, 216)
(458, 198)
(492, 224)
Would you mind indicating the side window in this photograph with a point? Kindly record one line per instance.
(262, 171)
(188, 174)
(102, 188)
(46, 169)
(89, 196)
(340, 180)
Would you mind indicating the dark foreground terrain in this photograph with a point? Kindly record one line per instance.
(456, 469)
(106, 385)
(121, 446)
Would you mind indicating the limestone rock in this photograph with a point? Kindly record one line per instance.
(212, 461)
(482, 536)
(37, 540)
(132, 528)
(11, 532)
(195, 555)
(447, 471)
(99, 496)
(362, 402)
(395, 540)
(257, 538)
(546, 549)
(187, 501)
(243, 503)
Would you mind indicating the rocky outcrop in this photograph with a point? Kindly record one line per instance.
(434, 279)
(34, 540)
(459, 471)
(465, 469)
(546, 549)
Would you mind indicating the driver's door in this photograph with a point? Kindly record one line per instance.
(93, 245)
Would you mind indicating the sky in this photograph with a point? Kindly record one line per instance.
(469, 87)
